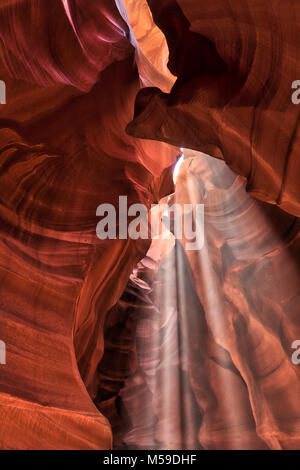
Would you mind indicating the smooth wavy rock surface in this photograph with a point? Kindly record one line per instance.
(71, 84)
(235, 62)
(181, 349)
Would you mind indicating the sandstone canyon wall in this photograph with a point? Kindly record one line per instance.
(100, 96)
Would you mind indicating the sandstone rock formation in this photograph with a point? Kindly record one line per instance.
(98, 331)
(236, 63)
(205, 360)
(64, 151)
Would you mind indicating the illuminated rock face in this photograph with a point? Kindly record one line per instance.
(72, 74)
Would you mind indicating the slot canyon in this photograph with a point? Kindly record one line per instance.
(124, 343)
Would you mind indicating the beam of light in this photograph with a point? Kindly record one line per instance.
(174, 364)
(251, 237)
(177, 168)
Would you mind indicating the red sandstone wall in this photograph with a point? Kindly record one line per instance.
(72, 71)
